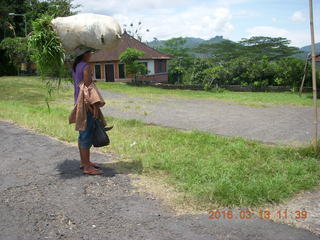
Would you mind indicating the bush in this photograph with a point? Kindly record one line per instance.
(198, 74)
(249, 72)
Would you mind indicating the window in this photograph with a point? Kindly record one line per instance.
(97, 71)
(122, 73)
(160, 66)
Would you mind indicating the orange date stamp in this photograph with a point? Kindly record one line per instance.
(259, 214)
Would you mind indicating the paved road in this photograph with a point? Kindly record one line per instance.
(44, 195)
(272, 124)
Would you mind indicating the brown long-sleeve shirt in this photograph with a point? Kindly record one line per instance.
(87, 97)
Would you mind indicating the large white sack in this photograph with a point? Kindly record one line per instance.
(87, 30)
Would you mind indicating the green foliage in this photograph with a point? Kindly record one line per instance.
(32, 9)
(197, 72)
(222, 51)
(16, 49)
(213, 76)
(290, 72)
(254, 47)
(273, 48)
(181, 59)
(14, 26)
(130, 57)
(175, 47)
(247, 71)
(258, 61)
(47, 50)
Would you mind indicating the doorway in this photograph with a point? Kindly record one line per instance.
(109, 72)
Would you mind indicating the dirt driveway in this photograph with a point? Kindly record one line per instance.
(271, 124)
(44, 195)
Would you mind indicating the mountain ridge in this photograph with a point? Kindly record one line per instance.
(192, 42)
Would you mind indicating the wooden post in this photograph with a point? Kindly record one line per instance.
(314, 78)
(304, 75)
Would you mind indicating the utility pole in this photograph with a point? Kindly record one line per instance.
(314, 79)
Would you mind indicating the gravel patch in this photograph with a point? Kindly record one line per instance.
(281, 124)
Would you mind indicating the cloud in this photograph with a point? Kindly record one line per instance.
(167, 18)
(195, 21)
(126, 7)
(298, 17)
(297, 38)
(267, 31)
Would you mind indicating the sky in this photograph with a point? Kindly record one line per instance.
(232, 19)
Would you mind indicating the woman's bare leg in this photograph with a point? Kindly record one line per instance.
(85, 161)
(83, 158)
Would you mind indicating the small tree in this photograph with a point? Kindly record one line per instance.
(214, 76)
(130, 57)
(181, 59)
(16, 49)
(47, 50)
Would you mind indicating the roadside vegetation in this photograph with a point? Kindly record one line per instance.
(210, 170)
(258, 61)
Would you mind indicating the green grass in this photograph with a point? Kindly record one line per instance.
(247, 98)
(209, 169)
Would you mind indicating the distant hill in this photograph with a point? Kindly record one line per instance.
(190, 42)
(307, 49)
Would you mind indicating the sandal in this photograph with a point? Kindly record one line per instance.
(92, 164)
(93, 171)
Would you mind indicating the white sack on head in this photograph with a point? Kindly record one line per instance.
(87, 30)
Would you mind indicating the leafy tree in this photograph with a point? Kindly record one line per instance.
(13, 26)
(197, 72)
(130, 58)
(175, 47)
(290, 72)
(214, 76)
(16, 49)
(33, 9)
(274, 48)
(222, 51)
(255, 47)
(181, 59)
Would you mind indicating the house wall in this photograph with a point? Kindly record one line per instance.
(103, 73)
(152, 76)
(150, 66)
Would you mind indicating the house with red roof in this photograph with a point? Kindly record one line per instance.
(107, 67)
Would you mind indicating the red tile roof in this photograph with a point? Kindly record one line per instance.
(127, 41)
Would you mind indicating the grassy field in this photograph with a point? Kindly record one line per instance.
(246, 98)
(210, 170)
